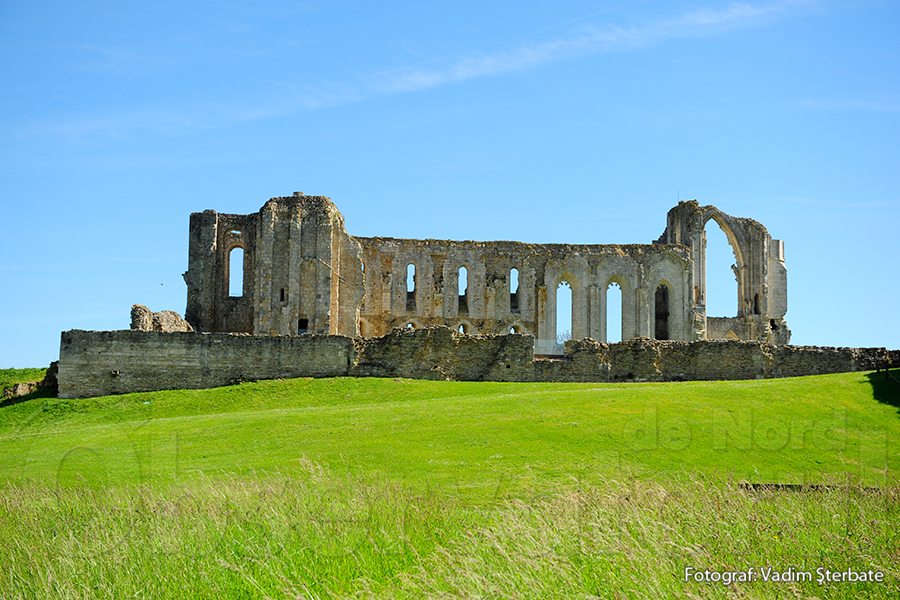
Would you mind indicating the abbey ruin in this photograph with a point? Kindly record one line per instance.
(287, 292)
(303, 273)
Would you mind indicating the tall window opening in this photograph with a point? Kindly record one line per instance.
(514, 290)
(613, 313)
(302, 326)
(755, 304)
(463, 290)
(236, 272)
(563, 312)
(411, 288)
(662, 313)
(721, 277)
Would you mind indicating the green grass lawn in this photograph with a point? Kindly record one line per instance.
(11, 376)
(397, 488)
(480, 439)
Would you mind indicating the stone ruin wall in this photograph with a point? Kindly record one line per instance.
(303, 273)
(759, 270)
(94, 363)
(144, 319)
(488, 305)
(98, 363)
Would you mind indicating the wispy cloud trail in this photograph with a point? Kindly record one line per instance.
(287, 98)
(588, 40)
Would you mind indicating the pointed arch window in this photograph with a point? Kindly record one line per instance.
(410, 287)
(463, 291)
(514, 291)
(236, 272)
(662, 313)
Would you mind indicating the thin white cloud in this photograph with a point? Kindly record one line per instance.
(287, 98)
(588, 40)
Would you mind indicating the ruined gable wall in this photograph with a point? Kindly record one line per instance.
(761, 273)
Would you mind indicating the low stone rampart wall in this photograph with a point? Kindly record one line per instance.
(94, 363)
(643, 359)
(97, 363)
(438, 353)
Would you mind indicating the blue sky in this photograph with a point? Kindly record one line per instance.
(578, 122)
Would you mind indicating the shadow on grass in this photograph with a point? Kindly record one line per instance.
(47, 392)
(886, 386)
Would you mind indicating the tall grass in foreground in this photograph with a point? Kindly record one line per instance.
(315, 535)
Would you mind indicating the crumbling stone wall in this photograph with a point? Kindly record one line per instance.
(488, 305)
(144, 319)
(94, 363)
(439, 353)
(18, 390)
(303, 273)
(645, 359)
(759, 270)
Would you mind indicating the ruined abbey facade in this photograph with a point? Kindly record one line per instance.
(303, 273)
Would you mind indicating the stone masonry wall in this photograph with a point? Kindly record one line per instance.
(439, 353)
(94, 363)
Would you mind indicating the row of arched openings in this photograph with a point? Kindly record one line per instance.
(564, 325)
(614, 325)
(719, 254)
(466, 328)
(462, 290)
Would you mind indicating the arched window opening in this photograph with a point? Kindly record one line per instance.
(513, 330)
(236, 272)
(410, 326)
(662, 313)
(463, 328)
(514, 290)
(463, 289)
(613, 313)
(721, 279)
(563, 312)
(756, 304)
(411, 288)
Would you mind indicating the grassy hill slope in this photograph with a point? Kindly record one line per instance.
(359, 488)
(480, 438)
